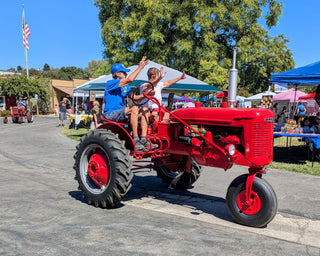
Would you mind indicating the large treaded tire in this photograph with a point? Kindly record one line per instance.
(29, 117)
(264, 207)
(117, 166)
(178, 179)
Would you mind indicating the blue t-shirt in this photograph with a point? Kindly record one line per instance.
(302, 110)
(21, 103)
(114, 96)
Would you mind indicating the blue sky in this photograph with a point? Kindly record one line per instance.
(67, 32)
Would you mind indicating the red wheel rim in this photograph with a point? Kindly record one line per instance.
(250, 207)
(99, 169)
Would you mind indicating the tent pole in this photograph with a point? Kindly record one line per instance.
(294, 102)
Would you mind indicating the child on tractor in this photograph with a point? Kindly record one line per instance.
(155, 76)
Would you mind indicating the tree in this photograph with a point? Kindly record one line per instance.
(19, 68)
(97, 68)
(46, 67)
(197, 36)
(20, 86)
(65, 73)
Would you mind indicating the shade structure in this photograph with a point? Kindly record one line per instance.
(308, 75)
(308, 96)
(243, 102)
(258, 97)
(188, 84)
(292, 95)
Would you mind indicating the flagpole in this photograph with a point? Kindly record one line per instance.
(26, 50)
(26, 53)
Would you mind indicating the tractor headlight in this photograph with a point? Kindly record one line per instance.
(230, 149)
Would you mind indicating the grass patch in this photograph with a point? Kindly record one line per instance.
(295, 159)
(74, 134)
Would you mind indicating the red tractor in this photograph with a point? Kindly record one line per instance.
(217, 137)
(17, 114)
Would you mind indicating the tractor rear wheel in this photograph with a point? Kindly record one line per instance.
(256, 212)
(29, 117)
(178, 178)
(103, 168)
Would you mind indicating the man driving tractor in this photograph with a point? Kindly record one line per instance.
(115, 109)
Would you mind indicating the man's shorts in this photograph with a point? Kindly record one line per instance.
(62, 116)
(117, 116)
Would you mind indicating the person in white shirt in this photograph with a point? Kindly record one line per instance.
(154, 77)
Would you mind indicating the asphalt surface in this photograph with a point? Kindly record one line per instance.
(43, 213)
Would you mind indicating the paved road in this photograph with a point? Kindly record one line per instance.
(43, 213)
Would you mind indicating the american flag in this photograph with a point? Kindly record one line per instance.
(25, 32)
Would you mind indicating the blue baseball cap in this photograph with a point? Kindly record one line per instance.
(118, 67)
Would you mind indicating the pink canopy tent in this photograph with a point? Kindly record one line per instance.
(290, 95)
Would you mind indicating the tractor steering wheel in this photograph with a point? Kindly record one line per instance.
(147, 86)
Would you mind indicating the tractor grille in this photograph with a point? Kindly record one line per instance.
(261, 139)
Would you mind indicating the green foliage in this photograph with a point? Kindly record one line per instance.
(20, 86)
(5, 112)
(46, 67)
(65, 73)
(97, 68)
(197, 37)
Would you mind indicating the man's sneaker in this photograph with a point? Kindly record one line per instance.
(140, 147)
(146, 143)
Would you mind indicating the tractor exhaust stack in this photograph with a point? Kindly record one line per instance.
(233, 80)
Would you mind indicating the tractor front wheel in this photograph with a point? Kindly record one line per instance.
(261, 207)
(103, 168)
(29, 117)
(5, 120)
(178, 178)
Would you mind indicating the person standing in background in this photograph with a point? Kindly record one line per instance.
(63, 110)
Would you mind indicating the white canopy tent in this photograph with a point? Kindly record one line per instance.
(243, 103)
(188, 84)
(258, 97)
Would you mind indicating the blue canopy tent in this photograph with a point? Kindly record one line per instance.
(308, 75)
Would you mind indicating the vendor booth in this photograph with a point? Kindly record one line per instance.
(259, 96)
(308, 75)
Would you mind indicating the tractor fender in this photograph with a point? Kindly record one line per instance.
(121, 131)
